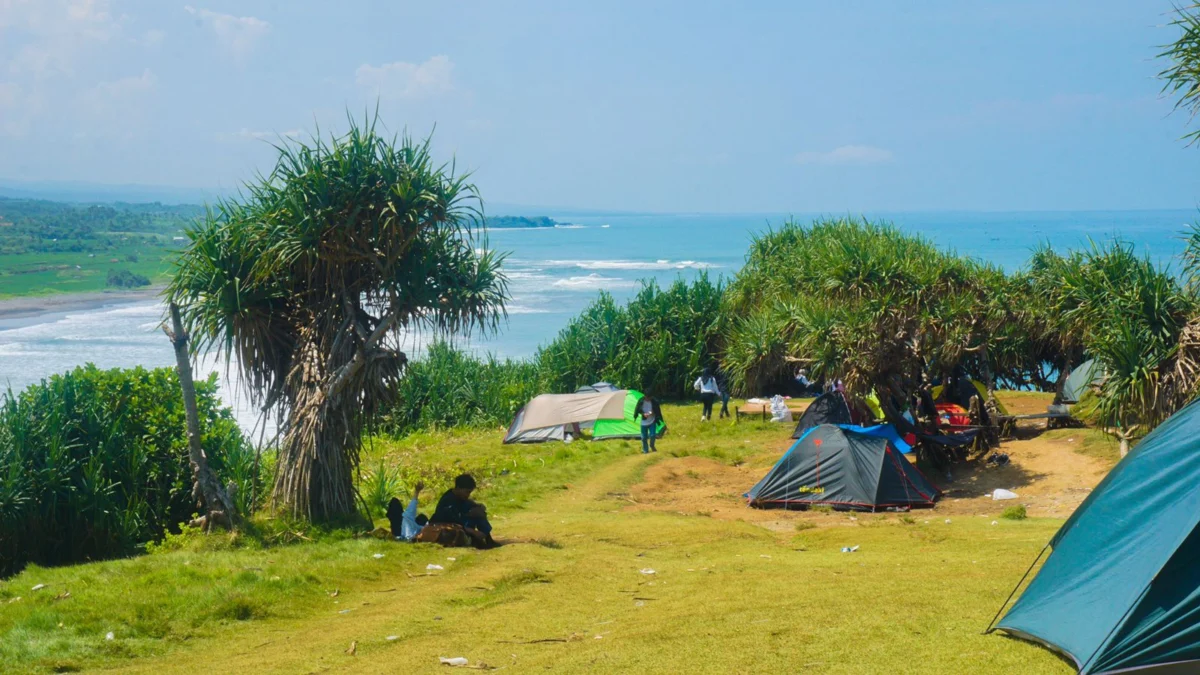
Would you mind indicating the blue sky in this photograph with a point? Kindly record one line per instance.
(652, 105)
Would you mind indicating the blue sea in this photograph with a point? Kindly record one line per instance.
(555, 272)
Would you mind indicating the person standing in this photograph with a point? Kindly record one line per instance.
(706, 384)
(723, 384)
(649, 412)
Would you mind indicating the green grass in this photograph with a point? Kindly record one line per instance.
(1088, 441)
(31, 274)
(726, 596)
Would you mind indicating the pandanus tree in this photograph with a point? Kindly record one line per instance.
(313, 278)
(865, 303)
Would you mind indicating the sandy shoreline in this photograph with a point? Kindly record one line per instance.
(26, 307)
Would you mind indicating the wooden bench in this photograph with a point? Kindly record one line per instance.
(762, 411)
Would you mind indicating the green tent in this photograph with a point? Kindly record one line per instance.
(627, 427)
(1121, 590)
(1086, 375)
(557, 417)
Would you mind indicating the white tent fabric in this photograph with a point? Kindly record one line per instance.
(550, 410)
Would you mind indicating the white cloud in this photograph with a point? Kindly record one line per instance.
(238, 34)
(845, 155)
(404, 80)
(118, 90)
(54, 33)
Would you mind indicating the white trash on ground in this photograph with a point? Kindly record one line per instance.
(431, 566)
(849, 549)
(38, 587)
(780, 412)
(109, 636)
(1000, 494)
(456, 661)
(648, 571)
(377, 556)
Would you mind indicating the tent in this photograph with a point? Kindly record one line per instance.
(596, 388)
(551, 417)
(855, 468)
(962, 398)
(1086, 375)
(1121, 590)
(828, 408)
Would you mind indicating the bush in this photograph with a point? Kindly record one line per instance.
(1014, 512)
(446, 388)
(94, 463)
(126, 279)
(657, 343)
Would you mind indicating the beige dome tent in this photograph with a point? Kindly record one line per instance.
(551, 417)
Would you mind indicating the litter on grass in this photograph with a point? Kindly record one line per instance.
(456, 661)
(109, 636)
(431, 566)
(648, 571)
(377, 556)
(849, 549)
(391, 638)
(39, 587)
(1000, 494)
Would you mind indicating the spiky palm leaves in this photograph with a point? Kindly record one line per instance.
(856, 301)
(311, 279)
(658, 342)
(1182, 77)
(1130, 315)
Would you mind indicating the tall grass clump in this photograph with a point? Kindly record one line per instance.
(658, 342)
(94, 463)
(448, 388)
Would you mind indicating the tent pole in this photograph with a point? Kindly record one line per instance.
(1014, 590)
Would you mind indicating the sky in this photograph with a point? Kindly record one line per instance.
(641, 105)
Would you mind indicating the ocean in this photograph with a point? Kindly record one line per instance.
(555, 272)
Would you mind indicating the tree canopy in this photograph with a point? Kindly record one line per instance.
(313, 277)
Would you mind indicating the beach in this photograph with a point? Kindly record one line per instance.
(12, 309)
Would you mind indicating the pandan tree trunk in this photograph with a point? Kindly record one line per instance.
(206, 488)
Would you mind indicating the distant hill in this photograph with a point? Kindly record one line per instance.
(503, 222)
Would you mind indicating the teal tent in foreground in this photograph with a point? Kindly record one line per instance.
(1121, 590)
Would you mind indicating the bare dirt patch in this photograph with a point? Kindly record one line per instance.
(1050, 478)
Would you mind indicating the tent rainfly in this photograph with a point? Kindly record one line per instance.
(828, 408)
(552, 417)
(1085, 376)
(1121, 590)
(847, 467)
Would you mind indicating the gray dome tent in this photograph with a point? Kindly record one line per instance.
(847, 467)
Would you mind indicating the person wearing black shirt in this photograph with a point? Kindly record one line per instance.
(455, 507)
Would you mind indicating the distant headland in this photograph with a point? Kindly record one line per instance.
(507, 222)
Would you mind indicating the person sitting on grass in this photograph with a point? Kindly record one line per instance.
(456, 508)
(650, 413)
(406, 524)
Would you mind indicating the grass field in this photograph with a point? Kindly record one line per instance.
(30, 274)
(576, 594)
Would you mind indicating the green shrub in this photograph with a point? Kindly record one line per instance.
(94, 463)
(1014, 512)
(657, 343)
(126, 279)
(446, 388)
